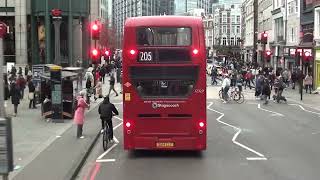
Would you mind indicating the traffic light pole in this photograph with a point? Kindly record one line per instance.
(301, 81)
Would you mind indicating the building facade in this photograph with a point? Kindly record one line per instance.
(248, 49)
(122, 9)
(14, 14)
(208, 23)
(264, 26)
(317, 45)
(181, 7)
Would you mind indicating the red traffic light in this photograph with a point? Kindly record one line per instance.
(95, 31)
(267, 55)
(95, 54)
(107, 52)
(264, 38)
(94, 27)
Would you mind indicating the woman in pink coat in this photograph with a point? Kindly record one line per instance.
(79, 114)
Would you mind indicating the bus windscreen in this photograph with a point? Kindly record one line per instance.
(164, 36)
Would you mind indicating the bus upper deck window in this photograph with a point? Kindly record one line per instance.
(142, 39)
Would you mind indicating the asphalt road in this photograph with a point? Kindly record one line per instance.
(245, 141)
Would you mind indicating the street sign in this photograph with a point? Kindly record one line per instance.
(6, 151)
(3, 29)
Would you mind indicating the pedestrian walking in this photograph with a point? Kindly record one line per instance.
(248, 78)
(258, 89)
(31, 95)
(26, 70)
(266, 90)
(121, 83)
(239, 82)
(308, 82)
(98, 89)
(21, 83)
(294, 79)
(15, 96)
(103, 72)
(79, 114)
(214, 74)
(112, 82)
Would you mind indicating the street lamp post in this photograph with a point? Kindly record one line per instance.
(56, 16)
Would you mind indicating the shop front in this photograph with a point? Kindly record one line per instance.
(317, 72)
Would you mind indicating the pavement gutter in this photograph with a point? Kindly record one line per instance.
(78, 167)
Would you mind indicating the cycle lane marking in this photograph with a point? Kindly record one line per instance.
(99, 159)
(301, 107)
(234, 139)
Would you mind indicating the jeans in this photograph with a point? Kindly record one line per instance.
(225, 93)
(79, 130)
(109, 121)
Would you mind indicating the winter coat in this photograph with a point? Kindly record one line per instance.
(106, 109)
(79, 114)
(15, 94)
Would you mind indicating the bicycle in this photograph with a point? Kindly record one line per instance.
(235, 95)
(105, 137)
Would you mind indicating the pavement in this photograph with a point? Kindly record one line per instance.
(248, 141)
(37, 142)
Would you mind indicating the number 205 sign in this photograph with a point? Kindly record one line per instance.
(145, 56)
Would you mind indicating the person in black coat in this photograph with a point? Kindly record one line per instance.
(31, 96)
(15, 96)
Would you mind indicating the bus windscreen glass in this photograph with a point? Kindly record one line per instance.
(164, 36)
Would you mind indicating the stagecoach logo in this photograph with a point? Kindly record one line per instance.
(159, 105)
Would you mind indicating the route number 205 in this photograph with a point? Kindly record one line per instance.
(145, 56)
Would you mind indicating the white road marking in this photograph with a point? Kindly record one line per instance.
(116, 140)
(304, 109)
(114, 145)
(107, 151)
(234, 139)
(273, 112)
(114, 128)
(118, 118)
(105, 160)
(256, 159)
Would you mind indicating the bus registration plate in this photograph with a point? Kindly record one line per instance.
(165, 144)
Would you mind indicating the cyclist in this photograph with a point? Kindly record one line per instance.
(225, 87)
(106, 111)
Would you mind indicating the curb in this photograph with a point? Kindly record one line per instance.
(84, 158)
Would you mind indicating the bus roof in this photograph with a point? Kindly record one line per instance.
(163, 21)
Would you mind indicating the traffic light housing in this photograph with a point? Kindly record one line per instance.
(95, 31)
(95, 55)
(264, 38)
(267, 55)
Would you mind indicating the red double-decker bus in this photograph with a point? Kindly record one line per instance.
(164, 83)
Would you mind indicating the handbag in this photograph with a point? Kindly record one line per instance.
(31, 96)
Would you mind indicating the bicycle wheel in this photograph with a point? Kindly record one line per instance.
(105, 138)
(220, 94)
(239, 98)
